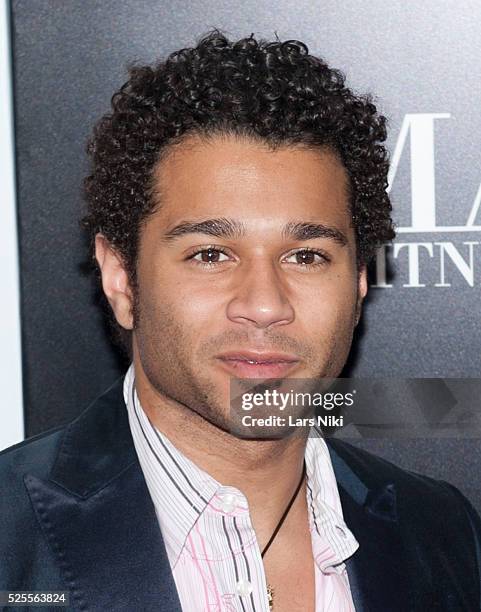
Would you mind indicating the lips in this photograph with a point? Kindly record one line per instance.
(253, 364)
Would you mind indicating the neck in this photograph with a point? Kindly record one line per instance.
(267, 472)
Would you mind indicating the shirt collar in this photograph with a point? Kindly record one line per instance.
(180, 490)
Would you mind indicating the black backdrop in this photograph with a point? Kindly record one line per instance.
(420, 59)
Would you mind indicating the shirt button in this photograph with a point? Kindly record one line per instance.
(228, 502)
(243, 587)
(341, 531)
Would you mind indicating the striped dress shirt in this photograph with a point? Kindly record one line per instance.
(209, 538)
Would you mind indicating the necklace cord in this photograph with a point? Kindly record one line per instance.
(286, 511)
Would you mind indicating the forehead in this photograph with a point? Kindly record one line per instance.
(228, 174)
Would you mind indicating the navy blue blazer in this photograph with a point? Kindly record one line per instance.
(76, 515)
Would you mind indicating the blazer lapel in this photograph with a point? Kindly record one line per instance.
(97, 515)
(377, 570)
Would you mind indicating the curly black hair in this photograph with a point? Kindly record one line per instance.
(275, 92)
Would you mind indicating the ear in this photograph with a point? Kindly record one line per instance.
(361, 290)
(115, 282)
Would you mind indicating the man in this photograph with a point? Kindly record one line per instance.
(237, 192)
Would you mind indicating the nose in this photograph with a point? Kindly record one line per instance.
(260, 299)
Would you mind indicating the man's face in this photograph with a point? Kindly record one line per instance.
(269, 278)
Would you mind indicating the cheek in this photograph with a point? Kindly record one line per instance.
(199, 308)
(190, 305)
(333, 300)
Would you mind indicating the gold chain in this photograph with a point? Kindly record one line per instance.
(270, 596)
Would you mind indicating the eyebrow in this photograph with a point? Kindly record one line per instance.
(308, 231)
(221, 228)
(233, 229)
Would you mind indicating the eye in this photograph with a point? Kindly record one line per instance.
(209, 256)
(308, 258)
